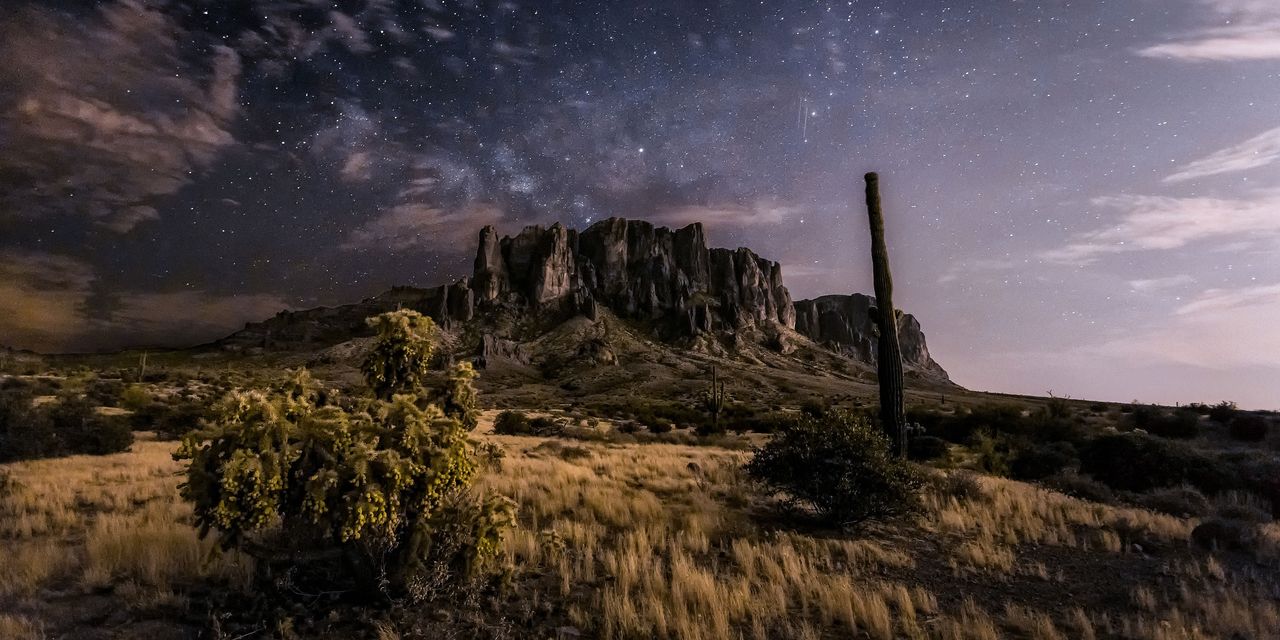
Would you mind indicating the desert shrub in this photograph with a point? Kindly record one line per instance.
(1142, 415)
(661, 425)
(179, 418)
(81, 430)
(104, 392)
(68, 426)
(374, 495)
(135, 397)
(1058, 407)
(993, 453)
(1133, 462)
(964, 427)
(926, 448)
(1080, 486)
(544, 426)
(768, 422)
(1223, 534)
(1242, 505)
(839, 465)
(959, 484)
(1184, 502)
(1181, 424)
(814, 408)
(1034, 462)
(1098, 407)
(1223, 412)
(512, 423)
(24, 431)
(1249, 428)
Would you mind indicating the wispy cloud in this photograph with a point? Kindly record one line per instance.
(1259, 151)
(1218, 329)
(416, 225)
(1150, 285)
(101, 116)
(1241, 30)
(1157, 222)
(755, 214)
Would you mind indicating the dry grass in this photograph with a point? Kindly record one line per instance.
(98, 521)
(630, 541)
(19, 628)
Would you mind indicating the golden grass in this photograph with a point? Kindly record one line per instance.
(634, 543)
(97, 521)
(19, 628)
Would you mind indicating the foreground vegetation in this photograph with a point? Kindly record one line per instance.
(639, 541)
(392, 509)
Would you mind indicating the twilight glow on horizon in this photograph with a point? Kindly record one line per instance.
(1081, 197)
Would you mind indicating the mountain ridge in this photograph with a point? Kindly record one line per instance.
(669, 281)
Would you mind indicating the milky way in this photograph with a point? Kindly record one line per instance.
(1081, 196)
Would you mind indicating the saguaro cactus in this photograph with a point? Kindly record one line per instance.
(714, 400)
(889, 362)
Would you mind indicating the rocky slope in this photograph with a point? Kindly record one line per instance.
(666, 282)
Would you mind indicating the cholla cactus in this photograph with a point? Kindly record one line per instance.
(382, 481)
(401, 354)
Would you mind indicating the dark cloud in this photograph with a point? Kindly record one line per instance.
(104, 115)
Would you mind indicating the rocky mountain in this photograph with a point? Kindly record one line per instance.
(846, 323)
(666, 282)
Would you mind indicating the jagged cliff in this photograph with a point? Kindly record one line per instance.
(846, 323)
(635, 269)
(667, 279)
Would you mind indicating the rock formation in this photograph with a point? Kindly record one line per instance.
(667, 279)
(847, 323)
(635, 269)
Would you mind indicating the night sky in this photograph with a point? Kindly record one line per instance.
(1082, 197)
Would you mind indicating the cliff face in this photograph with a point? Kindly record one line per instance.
(847, 324)
(635, 269)
(668, 278)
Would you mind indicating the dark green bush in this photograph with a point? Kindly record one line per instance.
(1249, 428)
(661, 425)
(173, 419)
(1080, 486)
(839, 466)
(1134, 462)
(924, 448)
(544, 426)
(104, 392)
(814, 408)
(1036, 462)
(512, 423)
(24, 431)
(993, 453)
(1184, 502)
(1223, 412)
(81, 430)
(68, 426)
(1181, 424)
